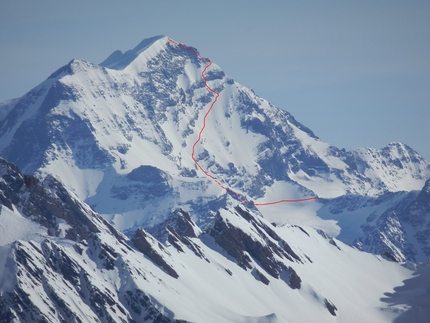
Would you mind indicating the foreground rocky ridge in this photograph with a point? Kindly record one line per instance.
(56, 275)
(75, 267)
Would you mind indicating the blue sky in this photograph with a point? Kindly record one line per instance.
(356, 72)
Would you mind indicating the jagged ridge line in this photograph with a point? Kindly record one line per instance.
(203, 128)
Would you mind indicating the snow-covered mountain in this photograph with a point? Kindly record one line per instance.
(186, 163)
(95, 126)
(61, 262)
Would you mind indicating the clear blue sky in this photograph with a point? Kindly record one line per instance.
(356, 72)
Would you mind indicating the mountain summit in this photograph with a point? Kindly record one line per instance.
(119, 60)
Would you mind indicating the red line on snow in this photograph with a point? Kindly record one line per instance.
(209, 63)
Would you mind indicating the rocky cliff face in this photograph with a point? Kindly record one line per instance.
(401, 233)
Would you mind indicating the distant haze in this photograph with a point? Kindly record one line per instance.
(356, 73)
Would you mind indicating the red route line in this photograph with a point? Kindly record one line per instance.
(203, 128)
